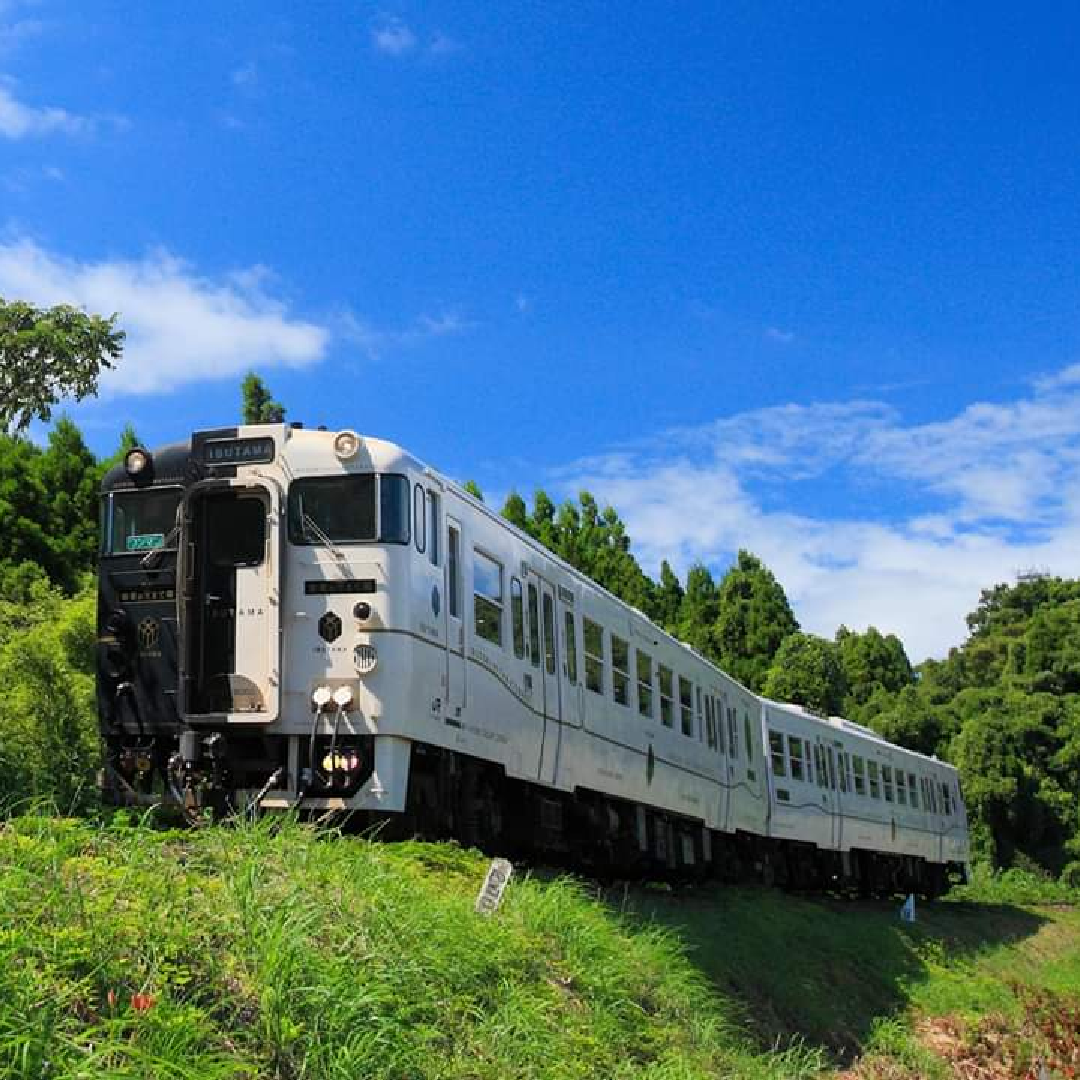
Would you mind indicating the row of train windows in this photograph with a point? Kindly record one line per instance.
(799, 759)
(627, 680)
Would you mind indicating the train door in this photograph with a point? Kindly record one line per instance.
(567, 630)
(835, 765)
(550, 682)
(455, 624)
(230, 603)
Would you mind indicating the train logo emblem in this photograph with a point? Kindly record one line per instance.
(149, 635)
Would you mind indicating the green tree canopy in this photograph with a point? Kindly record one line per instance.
(699, 611)
(258, 406)
(755, 617)
(50, 353)
(806, 670)
(871, 661)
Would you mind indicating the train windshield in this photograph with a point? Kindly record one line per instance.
(140, 520)
(355, 509)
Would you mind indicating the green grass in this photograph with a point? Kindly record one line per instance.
(273, 951)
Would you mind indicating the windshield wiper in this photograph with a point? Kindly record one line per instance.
(151, 557)
(311, 526)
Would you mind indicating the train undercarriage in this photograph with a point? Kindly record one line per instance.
(455, 797)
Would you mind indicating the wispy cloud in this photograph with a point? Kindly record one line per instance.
(954, 506)
(246, 77)
(19, 120)
(782, 337)
(392, 36)
(375, 342)
(182, 327)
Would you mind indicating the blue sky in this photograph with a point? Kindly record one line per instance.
(801, 278)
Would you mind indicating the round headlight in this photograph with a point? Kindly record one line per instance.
(346, 444)
(136, 461)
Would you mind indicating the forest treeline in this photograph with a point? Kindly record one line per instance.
(1004, 706)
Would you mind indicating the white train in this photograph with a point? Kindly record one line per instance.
(316, 619)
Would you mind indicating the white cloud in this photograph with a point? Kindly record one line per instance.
(181, 327)
(393, 37)
(19, 120)
(955, 506)
(375, 341)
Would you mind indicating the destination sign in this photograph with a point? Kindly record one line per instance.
(238, 451)
(332, 588)
(144, 542)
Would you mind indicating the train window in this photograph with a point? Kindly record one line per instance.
(453, 548)
(912, 790)
(419, 518)
(886, 782)
(487, 597)
(859, 771)
(594, 655)
(749, 740)
(433, 528)
(644, 684)
(795, 751)
(141, 520)
(338, 509)
(571, 648)
(776, 753)
(666, 694)
(873, 775)
(393, 509)
(901, 788)
(945, 799)
(686, 705)
(534, 625)
(710, 724)
(831, 759)
(819, 766)
(620, 670)
(718, 713)
(733, 732)
(549, 633)
(517, 617)
(700, 717)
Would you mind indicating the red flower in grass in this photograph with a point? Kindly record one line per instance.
(141, 1002)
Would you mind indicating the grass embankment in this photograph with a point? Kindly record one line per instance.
(273, 952)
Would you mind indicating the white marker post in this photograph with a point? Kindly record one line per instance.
(491, 892)
(907, 912)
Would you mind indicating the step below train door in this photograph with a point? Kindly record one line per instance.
(230, 606)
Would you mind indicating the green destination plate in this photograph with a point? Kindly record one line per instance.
(145, 542)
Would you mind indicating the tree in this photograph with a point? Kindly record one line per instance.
(516, 512)
(807, 671)
(473, 488)
(755, 617)
(669, 598)
(871, 662)
(258, 406)
(50, 353)
(699, 612)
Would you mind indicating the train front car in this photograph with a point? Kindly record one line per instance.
(138, 648)
(250, 587)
